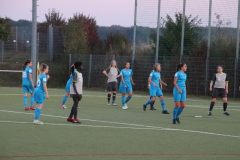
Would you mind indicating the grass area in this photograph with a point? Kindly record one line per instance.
(108, 132)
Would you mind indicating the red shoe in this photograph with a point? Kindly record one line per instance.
(32, 108)
(75, 120)
(26, 109)
(70, 119)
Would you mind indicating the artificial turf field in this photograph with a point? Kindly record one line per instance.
(108, 132)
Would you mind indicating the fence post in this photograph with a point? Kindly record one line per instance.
(16, 32)
(183, 29)
(134, 32)
(237, 52)
(90, 69)
(2, 50)
(34, 39)
(209, 45)
(113, 58)
(70, 61)
(50, 35)
(158, 23)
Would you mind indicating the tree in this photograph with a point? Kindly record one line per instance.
(117, 44)
(54, 17)
(74, 39)
(5, 28)
(171, 32)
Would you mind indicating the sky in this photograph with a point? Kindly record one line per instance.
(121, 12)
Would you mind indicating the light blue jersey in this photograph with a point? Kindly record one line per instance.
(127, 87)
(155, 78)
(42, 78)
(25, 76)
(181, 78)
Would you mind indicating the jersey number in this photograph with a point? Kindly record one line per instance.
(24, 74)
(38, 82)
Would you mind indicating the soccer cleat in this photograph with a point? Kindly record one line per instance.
(70, 119)
(165, 112)
(75, 120)
(114, 104)
(210, 113)
(37, 122)
(32, 108)
(123, 107)
(174, 121)
(26, 109)
(63, 106)
(108, 103)
(152, 108)
(226, 113)
(144, 107)
(126, 106)
(177, 119)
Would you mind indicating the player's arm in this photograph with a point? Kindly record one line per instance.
(212, 81)
(105, 72)
(132, 80)
(150, 81)
(31, 79)
(226, 84)
(45, 87)
(175, 84)
(161, 82)
(118, 73)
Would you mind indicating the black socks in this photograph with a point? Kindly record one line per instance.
(211, 106)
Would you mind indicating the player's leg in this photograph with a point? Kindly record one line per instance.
(109, 89)
(152, 104)
(39, 98)
(25, 99)
(225, 101)
(74, 108)
(183, 99)
(152, 92)
(162, 101)
(114, 89)
(130, 93)
(65, 97)
(176, 98)
(214, 99)
(31, 90)
(122, 90)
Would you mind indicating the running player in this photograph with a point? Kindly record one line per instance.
(179, 91)
(40, 92)
(76, 90)
(112, 72)
(126, 84)
(219, 87)
(154, 81)
(27, 85)
(67, 88)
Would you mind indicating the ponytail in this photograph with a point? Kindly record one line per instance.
(26, 63)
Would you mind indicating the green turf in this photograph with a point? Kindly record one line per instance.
(108, 132)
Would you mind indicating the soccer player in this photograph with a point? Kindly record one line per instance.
(76, 90)
(40, 92)
(112, 72)
(126, 84)
(27, 85)
(179, 91)
(219, 87)
(67, 88)
(154, 81)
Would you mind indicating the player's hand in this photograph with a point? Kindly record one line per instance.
(165, 84)
(79, 96)
(154, 84)
(48, 76)
(227, 91)
(133, 83)
(47, 96)
(210, 89)
(179, 91)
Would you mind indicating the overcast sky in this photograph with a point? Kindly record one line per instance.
(119, 12)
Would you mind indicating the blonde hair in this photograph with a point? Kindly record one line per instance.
(43, 66)
(112, 63)
(155, 66)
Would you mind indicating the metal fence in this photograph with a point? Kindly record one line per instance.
(196, 73)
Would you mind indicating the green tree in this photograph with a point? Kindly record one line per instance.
(171, 31)
(5, 28)
(74, 39)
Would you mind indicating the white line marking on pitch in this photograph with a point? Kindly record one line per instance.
(145, 127)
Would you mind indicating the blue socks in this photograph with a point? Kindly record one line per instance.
(163, 105)
(123, 100)
(175, 112)
(180, 109)
(148, 102)
(25, 101)
(128, 98)
(32, 101)
(64, 99)
(37, 113)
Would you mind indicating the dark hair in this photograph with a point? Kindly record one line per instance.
(155, 66)
(43, 66)
(220, 66)
(126, 64)
(75, 65)
(180, 65)
(26, 63)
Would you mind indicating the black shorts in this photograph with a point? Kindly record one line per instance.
(76, 96)
(111, 86)
(219, 92)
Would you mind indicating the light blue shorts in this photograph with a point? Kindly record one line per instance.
(155, 91)
(177, 97)
(27, 89)
(127, 89)
(39, 96)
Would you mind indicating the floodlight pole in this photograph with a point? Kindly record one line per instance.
(183, 28)
(158, 25)
(134, 33)
(209, 45)
(34, 39)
